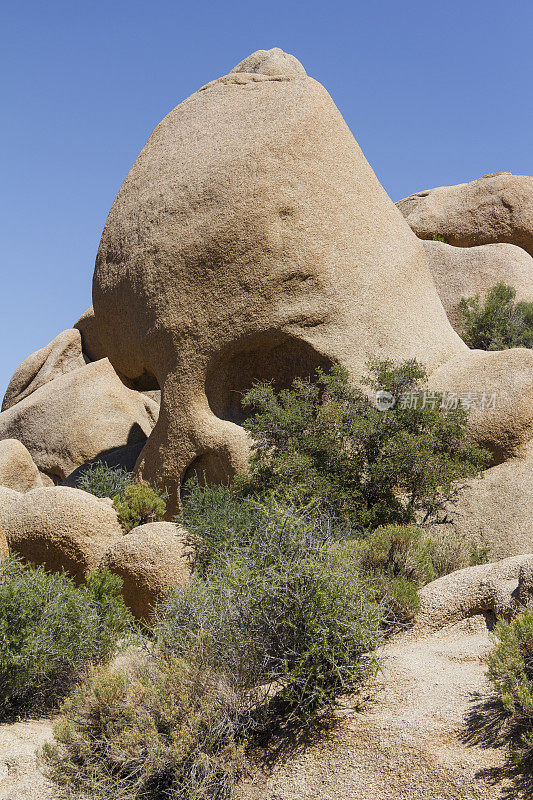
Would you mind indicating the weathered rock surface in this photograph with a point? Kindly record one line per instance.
(61, 528)
(151, 560)
(495, 208)
(77, 417)
(7, 499)
(4, 546)
(251, 240)
(497, 509)
(469, 271)
(18, 471)
(501, 587)
(62, 355)
(124, 457)
(90, 339)
(497, 389)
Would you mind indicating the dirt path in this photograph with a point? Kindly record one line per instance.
(409, 742)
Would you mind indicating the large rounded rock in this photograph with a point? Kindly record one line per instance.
(61, 528)
(90, 338)
(495, 208)
(469, 271)
(151, 560)
(496, 510)
(18, 470)
(252, 240)
(62, 355)
(77, 417)
(497, 390)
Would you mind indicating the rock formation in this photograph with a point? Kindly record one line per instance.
(60, 528)
(90, 339)
(62, 355)
(18, 470)
(495, 208)
(151, 560)
(469, 271)
(78, 416)
(251, 240)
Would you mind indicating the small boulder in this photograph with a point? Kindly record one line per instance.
(61, 528)
(90, 338)
(497, 390)
(469, 271)
(77, 417)
(496, 509)
(495, 208)
(17, 468)
(62, 355)
(151, 560)
(500, 587)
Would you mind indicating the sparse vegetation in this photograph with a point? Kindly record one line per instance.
(50, 630)
(510, 668)
(104, 481)
(300, 571)
(499, 323)
(138, 504)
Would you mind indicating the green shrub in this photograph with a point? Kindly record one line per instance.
(327, 442)
(139, 504)
(280, 608)
(510, 669)
(439, 238)
(499, 323)
(50, 630)
(166, 731)
(104, 481)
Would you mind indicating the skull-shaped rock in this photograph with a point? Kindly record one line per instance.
(252, 240)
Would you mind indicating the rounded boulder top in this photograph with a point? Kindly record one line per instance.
(273, 62)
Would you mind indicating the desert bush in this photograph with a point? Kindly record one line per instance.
(499, 323)
(280, 608)
(104, 481)
(165, 731)
(510, 669)
(326, 442)
(50, 630)
(139, 504)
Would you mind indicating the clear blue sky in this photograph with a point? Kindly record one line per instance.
(434, 92)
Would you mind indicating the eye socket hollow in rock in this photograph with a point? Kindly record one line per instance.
(273, 356)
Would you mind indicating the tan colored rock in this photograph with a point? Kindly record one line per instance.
(498, 387)
(8, 498)
(4, 547)
(61, 528)
(17, 468)
(90, 339)
(62, 355)
(501, 587)
(151, 560)
(77, 417)
(495, 208)
(469, 271)
(251, 240)
(496, 509)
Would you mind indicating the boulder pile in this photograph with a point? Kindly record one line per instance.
(250, 241)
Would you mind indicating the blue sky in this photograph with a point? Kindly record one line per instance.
(434, 92)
